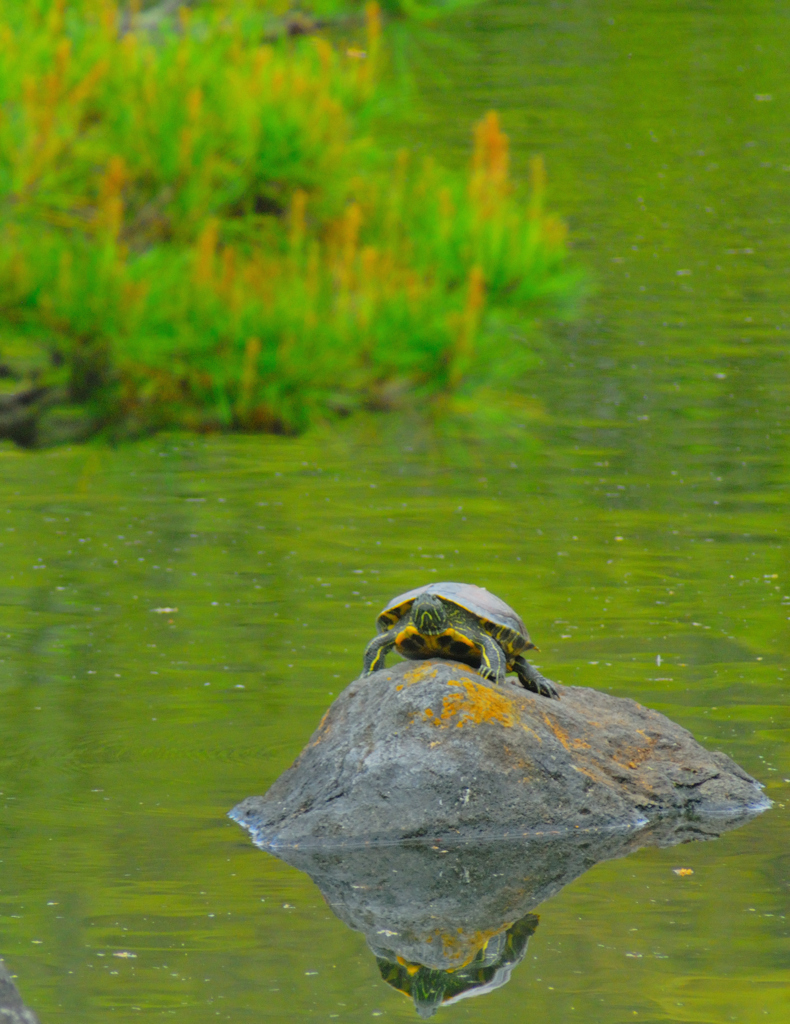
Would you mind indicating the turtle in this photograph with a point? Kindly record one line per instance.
(460, 622)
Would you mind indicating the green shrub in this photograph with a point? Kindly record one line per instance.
(197, 233)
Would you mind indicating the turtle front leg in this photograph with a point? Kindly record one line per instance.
(493, 663)
(376, 652)
(531, 679)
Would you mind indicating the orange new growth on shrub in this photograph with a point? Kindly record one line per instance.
(489, 183)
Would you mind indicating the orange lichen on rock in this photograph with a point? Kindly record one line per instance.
(569, 743)
(633, 756)
(532, 732)
(420, 672)
(596, 777)
(478, 703)
(323, 729)
(515, 762)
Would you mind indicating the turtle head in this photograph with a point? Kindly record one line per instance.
(429, 615)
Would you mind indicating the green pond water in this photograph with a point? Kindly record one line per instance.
(178, 613)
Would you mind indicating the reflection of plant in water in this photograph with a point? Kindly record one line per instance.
(489, 969)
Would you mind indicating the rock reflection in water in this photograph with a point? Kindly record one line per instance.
(12, 1009)
(451, 920)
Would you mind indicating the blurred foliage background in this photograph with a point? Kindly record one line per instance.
(198, 230)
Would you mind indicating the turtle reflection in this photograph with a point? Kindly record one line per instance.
(490, 968)
(449, 920)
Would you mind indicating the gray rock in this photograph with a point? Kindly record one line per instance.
(12, 1009)
(20, 411)
(40, 416)
(432, 750)
(64, 424)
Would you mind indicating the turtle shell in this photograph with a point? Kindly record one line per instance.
(480, 602)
